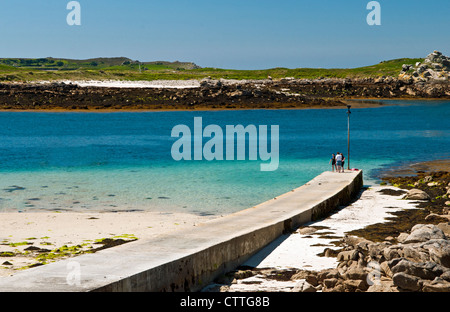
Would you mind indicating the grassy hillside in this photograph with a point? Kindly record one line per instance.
(122, 68)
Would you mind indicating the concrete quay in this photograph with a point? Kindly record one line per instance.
(190, 260)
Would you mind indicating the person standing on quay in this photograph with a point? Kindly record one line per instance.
(333, 162)
(338, 162)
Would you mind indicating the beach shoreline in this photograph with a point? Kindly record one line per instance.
(210, 94)
(67, 234)
(415, 168)
(356, 103)
(28, 239)
(179, 109)
(324, 256)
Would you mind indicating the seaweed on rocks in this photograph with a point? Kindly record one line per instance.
(434, 183)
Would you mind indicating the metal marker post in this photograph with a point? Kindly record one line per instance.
(348, 136)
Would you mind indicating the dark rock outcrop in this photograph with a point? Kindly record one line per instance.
(216, 94)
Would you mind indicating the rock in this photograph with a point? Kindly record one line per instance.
(394, 262)
(338, 288)
(423, 270)
(424, 232)
(330, 282)
(415, 253)
(390, 253)
(420, 70)
(331, 252)
(437, 285)
(213, 288)
(416, 194)
(303, 286)
(375, 249)
(404, 266)
(354, 285)
(431, 184)
(402, 237)
(243, 274)
(342, 268)
(299, 275)
(326, 274)
(307, 230)
(348, 255)
(356, 242)
(7, 263)
(446, 276)
(355, 273)
(224, 279)
(435, 218)
(439, 250)
(321, 276)
(312, 279)
(210, 83)
(406, 281)
(436, 66)
(386, 269)
(383, 286)
(406, 67)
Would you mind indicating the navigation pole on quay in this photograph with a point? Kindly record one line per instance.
(348, 136)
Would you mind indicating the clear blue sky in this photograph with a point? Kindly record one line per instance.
(244, 34)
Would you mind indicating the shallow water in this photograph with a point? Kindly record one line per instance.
(122, 161)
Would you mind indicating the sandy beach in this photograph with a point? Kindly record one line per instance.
(25, 237)
(28, 237)
(168, 84)
(301, 249)
(23, 234)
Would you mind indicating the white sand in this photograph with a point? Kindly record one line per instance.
(296, 251)
(52, 230)
(169, 84)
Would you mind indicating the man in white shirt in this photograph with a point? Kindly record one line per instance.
(338, 162)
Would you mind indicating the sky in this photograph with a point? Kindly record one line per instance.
(244, 34)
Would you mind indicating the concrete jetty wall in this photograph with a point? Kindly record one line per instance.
(189, 260)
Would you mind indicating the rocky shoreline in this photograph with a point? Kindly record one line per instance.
(217, 94)
(408, 253)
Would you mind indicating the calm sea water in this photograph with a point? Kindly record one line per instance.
(122, 161)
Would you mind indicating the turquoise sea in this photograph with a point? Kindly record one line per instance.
(122, 160)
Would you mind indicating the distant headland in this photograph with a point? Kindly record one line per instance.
(124, 84)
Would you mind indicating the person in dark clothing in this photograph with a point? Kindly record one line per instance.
(343, 162)
(333, 162)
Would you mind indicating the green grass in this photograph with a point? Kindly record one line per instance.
(126, 69)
